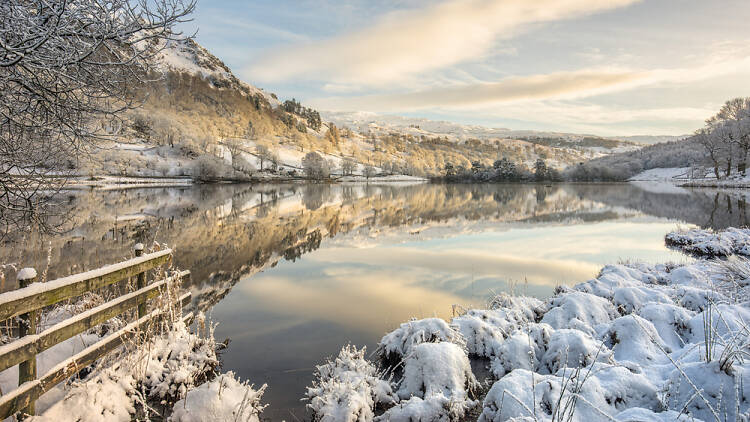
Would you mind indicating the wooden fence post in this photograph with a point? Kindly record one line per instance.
(141, 281)
(27, 326)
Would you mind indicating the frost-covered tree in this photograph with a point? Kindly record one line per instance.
(369, 171)
(731, 125)
(264, 154)
(540, 170)
(315, 166)
(64, 66)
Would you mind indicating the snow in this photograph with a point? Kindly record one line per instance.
(662, 174)
(223, 399)
(26, 274)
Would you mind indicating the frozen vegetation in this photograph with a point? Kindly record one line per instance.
(640, 342)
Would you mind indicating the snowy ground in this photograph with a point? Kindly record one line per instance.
(638, 343)
(681, 177)
(662, 174)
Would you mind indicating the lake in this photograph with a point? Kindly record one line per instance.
(293, 272)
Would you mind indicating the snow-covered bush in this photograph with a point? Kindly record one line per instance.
(579, 310)
(435, 408)
(589, 394)
(162, 370)
(634, 339)
(223, 399)
(482, 338)
(347, 389)
(399, 343)
(437, 368)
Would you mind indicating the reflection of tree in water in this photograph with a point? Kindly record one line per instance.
(542, 192)
(316, 195)
(311, 243)
(707, 208)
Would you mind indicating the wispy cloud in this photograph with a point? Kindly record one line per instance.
(536, 87)
(407, 42)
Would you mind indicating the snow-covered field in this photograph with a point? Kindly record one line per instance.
(638, 343)
(682, 177)
(662, 174)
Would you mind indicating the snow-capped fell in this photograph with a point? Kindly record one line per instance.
(190, 57)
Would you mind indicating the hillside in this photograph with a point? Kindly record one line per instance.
(199, 120)
(623, 166)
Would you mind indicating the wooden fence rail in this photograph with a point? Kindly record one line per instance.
(31, 297)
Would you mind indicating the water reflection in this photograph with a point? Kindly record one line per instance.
(292, 272)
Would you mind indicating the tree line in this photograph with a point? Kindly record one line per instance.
(503, 170)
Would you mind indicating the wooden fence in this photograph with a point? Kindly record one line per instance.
(26, 302)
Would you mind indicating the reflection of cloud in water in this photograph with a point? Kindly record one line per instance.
(371, 301)
(540, 271)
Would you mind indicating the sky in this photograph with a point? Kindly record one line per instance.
(608, 67)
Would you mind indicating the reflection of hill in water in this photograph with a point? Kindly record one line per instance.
(223, 232)
(708, 208)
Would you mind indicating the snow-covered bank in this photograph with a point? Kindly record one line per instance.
(689, 178)
(638, 343)
(662, 175)
(709, 243)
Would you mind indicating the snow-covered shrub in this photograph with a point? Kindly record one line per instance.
(435, 408)
(522, 349)
(175, 362)
(399, 343)
(634, 339)
(162, 369)
(572, 349)
(706, 392)
(588, 394)
(726, 320)
(347, 389)
(108, 396)
(223, 399)
(671, 322)
(484, 330)
(482, 338)
(630, 299)
(437, 368)
(579, 310)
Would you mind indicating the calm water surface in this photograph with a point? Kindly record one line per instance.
(293, 272)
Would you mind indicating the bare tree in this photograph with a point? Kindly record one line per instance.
(64, 67)
(713, 146)
(347, 166)
(264, 154)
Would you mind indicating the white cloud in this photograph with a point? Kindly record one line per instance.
(534, 87)
(407, 42)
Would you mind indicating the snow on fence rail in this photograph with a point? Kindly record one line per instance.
(31, 296)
